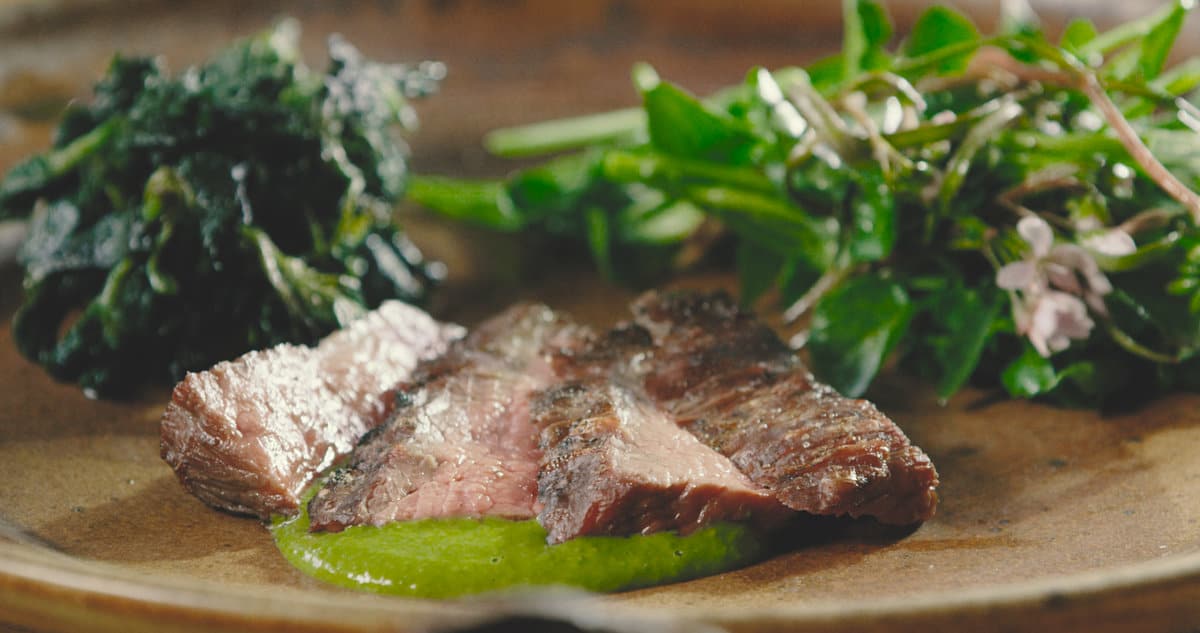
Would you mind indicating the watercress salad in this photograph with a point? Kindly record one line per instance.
(1004, 209)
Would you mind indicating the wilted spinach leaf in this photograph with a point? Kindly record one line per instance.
(180, 220)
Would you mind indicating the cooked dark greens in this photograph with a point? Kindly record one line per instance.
(1006, 210)
(181, 220)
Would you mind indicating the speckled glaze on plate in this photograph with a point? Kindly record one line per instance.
(1050, 519)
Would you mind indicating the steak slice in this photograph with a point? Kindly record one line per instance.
(249, 434)
(459, 443)
(732, 383)
(615, 465)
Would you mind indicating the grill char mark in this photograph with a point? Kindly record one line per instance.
(734, 385)
(247, 435)
(616, 465)
(609, 462)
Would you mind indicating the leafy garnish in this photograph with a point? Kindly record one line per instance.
(181, 220)
(1000, 209)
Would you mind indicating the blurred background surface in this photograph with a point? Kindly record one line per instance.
(533, 58)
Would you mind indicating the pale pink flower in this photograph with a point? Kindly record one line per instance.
(1067, 267)
(1048, 287)
(1051, 319)
(1114, 242)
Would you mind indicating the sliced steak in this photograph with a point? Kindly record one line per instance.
(249, 434)
(614, 464)
(460, 442)
(732, 383)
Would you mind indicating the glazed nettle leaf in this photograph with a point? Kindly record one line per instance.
(180, 220)
(1005, 210)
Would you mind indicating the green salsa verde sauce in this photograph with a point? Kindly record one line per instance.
(444, 558)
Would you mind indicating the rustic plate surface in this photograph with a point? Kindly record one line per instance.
(1050, 519)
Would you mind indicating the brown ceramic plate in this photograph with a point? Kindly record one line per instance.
(1050, 519)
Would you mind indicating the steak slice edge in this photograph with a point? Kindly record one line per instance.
(616, 465)
(459, 443)
(727, 378)
(249, 434)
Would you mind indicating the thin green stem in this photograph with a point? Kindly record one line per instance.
(660, 169)
(565, 134)
(1137, 349)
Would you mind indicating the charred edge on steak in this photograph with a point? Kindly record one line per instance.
(459, 442)
(249, 434)
(615, 465)
(733, 384)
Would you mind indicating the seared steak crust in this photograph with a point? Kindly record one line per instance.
(249, 434)
(694, 412)
(616, 465)
(459, 442)
(733, 384)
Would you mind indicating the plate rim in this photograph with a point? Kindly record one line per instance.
(29, 574)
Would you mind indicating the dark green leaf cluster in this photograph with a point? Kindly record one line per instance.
(886, 191)
(181, 220)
